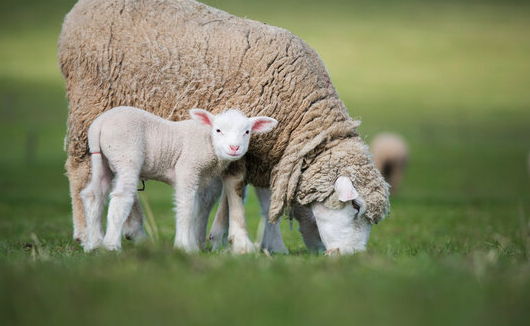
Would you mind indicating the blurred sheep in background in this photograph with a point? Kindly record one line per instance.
(391, 155)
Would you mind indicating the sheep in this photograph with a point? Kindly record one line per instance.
(133, 144)
(391, 155)
(165, 56)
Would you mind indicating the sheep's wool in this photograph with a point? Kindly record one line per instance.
(169, 56)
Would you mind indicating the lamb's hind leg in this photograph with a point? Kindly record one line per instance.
(121, 202)
(94, 198)
(134, 225)
(272, 236)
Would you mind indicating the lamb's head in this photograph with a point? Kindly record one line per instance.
(231, 130)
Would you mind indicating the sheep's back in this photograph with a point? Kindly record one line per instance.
(169, 56)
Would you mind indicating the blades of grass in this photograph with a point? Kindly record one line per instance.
(150, 224)
(525, 234)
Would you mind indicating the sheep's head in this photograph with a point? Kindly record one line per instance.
(231, 130)
(346, 194)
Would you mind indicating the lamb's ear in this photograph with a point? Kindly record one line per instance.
(202, 116)
(345, 189)
(262, 124)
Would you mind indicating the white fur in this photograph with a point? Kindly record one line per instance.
(339, 229)
(134, 144)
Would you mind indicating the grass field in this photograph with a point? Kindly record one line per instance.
(452, 77)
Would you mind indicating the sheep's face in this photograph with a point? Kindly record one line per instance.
(231, 131)
(340, 220)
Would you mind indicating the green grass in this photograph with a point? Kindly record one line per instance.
(451, 77)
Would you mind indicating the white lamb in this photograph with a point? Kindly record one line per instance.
(131, 144)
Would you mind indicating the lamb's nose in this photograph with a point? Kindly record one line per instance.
(234, 147)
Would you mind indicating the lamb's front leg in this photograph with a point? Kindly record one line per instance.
(187, 204)
(234, 186)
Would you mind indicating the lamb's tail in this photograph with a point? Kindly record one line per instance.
(94, 134)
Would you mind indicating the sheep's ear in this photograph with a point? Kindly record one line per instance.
(345, 189)
(262, 124)
(202, 116)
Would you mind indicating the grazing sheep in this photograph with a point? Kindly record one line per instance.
(165, 56)
(133, 144)
(391, 156)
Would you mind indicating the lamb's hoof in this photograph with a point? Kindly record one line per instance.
(332, 252)
(241, 245)
(88, 247)
(218, 240)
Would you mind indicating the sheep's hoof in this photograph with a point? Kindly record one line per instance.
(276, 247)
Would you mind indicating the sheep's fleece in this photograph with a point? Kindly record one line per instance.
(169, 56)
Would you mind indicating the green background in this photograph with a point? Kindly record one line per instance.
(452, 77)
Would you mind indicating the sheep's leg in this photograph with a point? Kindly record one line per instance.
(207, 199)
(308, 228)
(121, 202)
(133, 228)
(78, 176)
(187, 202)
(234, 186)
(94, 197)
(272, 236)
(218, 232)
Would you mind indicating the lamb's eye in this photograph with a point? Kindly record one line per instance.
(218, 130)
(247, 132)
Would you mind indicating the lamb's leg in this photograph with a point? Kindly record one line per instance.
(186, 201)
(308, 228)
(234, 186)
(133, 228)
(94, 198)
(219, 229)
(78, 176)
(207, 199)
(272, 236)
(121, 202)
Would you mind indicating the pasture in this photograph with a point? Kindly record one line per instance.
(451, 77)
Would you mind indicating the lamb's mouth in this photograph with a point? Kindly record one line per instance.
(233, 154)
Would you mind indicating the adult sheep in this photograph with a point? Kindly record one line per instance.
(169, 56)
(391, 156)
